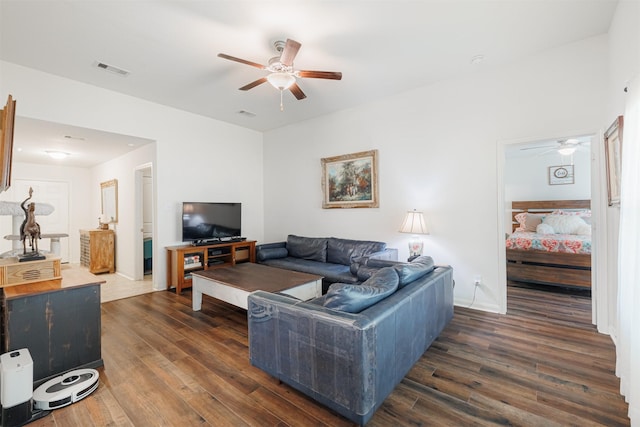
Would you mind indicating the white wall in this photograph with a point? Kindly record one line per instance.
(437, 153)
(123, 169)
(197, 158)
(527, 178)
(78, 180)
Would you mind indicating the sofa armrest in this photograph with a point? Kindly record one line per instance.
(275, 250)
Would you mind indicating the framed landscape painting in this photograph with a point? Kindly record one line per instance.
(350, 180)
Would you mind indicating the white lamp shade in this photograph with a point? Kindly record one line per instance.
(414, 223)
(281, 81)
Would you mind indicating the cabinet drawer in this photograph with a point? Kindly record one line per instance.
(30, 272)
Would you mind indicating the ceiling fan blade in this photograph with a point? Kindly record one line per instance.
(253, 84)
(289, 53)
(537, 147)
(297, 92)
(333, 75)
(242, 61)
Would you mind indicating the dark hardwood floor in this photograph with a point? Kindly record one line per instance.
(542, 364)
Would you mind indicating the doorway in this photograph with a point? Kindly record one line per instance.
(523, 174)
(144, 222)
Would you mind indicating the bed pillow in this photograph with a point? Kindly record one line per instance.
(585, 214)
(584, 230)
(544, 229)
(528, 221)
(564, 224)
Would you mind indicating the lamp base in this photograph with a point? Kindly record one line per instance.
(415, 247)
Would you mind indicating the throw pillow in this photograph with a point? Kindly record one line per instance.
(355, 298)
(544, 229)
(583, 229)
(564, 224)
(311, 248)
(528, 221)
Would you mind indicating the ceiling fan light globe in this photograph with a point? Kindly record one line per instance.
(281, 81)
(566, 151)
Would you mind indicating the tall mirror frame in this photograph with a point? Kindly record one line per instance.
(109, 191)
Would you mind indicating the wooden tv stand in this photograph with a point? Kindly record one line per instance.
(183, 260)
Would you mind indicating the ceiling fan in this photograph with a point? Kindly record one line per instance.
(564, 147)
(282, 75)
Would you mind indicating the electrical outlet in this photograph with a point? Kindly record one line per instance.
(477, 280)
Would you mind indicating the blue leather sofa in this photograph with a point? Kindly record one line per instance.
(351, 357)
(332, 258)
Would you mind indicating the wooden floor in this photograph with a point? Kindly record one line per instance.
(542, 364)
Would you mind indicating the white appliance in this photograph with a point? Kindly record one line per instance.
(16, 388)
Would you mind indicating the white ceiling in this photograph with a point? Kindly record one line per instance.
(381, 47)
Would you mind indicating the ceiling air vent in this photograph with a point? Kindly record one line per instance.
(112, 69)
(246, 113)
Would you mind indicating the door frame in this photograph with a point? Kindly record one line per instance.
(599, 284)
(139, 219)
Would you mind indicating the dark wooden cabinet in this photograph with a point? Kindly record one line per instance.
(60, 327)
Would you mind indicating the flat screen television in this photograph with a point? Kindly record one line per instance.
(207, 221)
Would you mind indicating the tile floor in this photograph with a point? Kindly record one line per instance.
(118, 287)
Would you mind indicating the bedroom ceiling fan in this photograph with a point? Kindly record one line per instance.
(564, 147)
(282, 75)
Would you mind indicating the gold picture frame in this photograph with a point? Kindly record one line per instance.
(613, 158)
(7, 121)
(109, 197)
(350, 180)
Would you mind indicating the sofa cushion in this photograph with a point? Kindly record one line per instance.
(407, 271)
(271, 253)
(313, 248)
(412, 271)
(342, 251)
(355, 298)
(330, 272)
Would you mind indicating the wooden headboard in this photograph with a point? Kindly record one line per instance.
(545, 206)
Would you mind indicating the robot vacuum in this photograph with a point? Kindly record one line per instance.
(66, 389)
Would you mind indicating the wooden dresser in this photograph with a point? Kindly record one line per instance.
(97, 250)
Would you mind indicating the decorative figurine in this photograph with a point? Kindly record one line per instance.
(31, 229)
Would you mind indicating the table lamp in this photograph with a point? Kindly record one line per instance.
(414, 224)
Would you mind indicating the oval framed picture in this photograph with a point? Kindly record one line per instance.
(559, 175)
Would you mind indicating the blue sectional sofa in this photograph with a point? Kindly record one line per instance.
(351, 347)
(335, 259)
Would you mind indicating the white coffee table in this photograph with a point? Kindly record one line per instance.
(234, 284)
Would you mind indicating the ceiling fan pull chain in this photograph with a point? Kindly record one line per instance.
(281, 105)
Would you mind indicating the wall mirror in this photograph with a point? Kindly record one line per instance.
(109, 190)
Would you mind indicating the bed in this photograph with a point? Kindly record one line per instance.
(559, 259)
